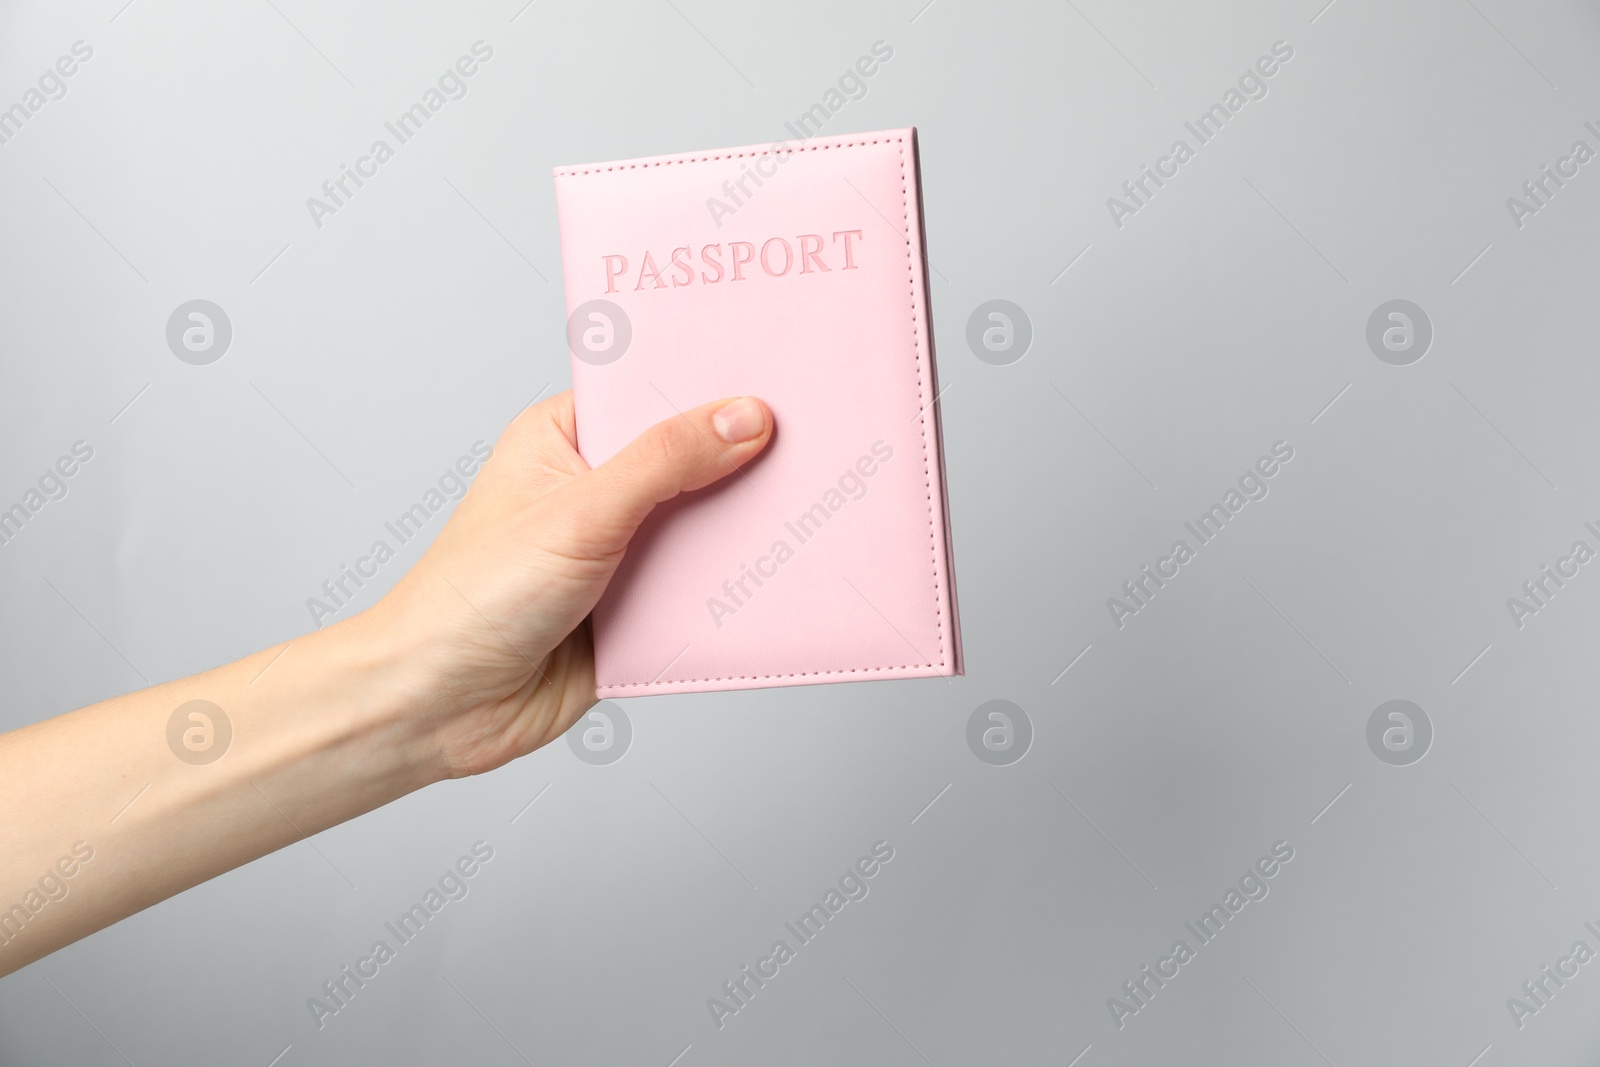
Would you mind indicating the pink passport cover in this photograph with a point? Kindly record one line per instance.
(827, 559)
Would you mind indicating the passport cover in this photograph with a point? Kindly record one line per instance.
(796, 273)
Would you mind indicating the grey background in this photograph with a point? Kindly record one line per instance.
(1227, 715)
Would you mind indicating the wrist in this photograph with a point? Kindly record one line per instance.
(383, 695)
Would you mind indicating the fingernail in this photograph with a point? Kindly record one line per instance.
(742, 420)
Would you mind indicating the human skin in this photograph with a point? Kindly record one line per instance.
(481, 653)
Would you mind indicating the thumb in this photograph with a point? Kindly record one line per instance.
(686, 452)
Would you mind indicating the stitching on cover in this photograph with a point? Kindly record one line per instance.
(766, 677)
(911, 281)
(916, 339)
(736, 155)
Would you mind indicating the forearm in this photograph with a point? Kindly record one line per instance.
(325, 729)
(477, 656)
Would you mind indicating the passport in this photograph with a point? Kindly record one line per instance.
(795, 272)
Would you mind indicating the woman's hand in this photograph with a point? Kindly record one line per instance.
(495, 611)
(479, 655)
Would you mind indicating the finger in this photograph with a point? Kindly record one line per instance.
(547, 422)
(540, 439)
(683, 453)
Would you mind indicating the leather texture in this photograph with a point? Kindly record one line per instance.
(828, 558)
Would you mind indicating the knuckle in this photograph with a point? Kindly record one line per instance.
(669, 445)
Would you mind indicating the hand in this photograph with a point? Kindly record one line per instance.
(494, 615)
(479, 655)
